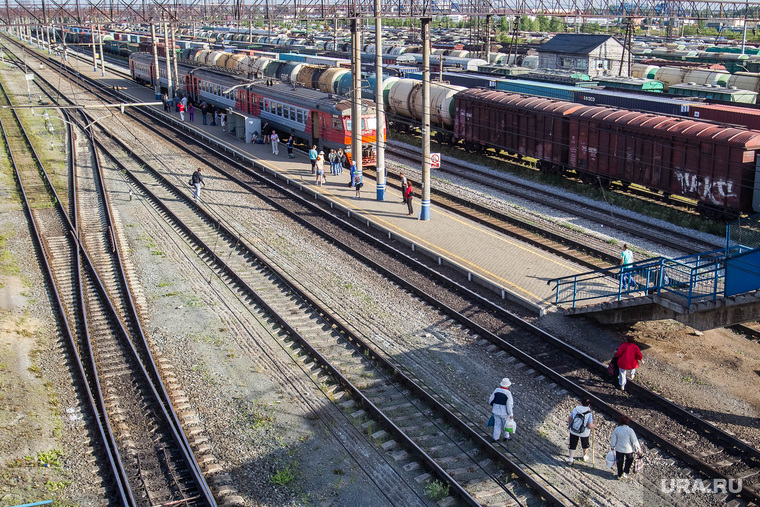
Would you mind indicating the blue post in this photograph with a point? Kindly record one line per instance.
(380, 187)
(691, 287)
(425, 211)
(661, 277)
(575, 289)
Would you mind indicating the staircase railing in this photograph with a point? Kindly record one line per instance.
(689, 277)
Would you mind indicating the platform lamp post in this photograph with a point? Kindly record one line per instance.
(425, 196)
(356, 119)
(380, 127)
(94, 51)
(157, 82)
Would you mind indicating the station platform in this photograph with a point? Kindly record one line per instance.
(516, 271)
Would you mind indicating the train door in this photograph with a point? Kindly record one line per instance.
(316, 131)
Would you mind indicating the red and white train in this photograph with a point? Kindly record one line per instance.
(311, 116)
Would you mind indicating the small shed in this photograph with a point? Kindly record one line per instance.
(595, 55)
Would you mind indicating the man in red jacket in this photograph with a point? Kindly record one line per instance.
(628, 355)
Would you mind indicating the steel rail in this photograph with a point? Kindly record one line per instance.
(166, 408)
(326, 313)
(95, 402)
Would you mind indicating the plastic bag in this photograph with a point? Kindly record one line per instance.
(510, 427)
(638, 465)
(612, 366)
(610, 462)
(490, 422)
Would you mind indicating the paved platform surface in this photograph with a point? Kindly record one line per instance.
(517, 270)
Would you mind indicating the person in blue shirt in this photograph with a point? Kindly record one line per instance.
(626, 259)
(313, 158)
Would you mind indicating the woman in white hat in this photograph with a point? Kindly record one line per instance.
(501, 408)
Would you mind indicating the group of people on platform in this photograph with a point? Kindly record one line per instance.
(184, 105)
(624, 445)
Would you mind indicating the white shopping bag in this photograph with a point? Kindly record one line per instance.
(610, 459)
(510, 427)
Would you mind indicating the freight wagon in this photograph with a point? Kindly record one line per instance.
(712, 164)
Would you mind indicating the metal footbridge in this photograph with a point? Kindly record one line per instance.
(705, 290)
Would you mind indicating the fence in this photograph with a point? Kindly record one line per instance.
(689, 277)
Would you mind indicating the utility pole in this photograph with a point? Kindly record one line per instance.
(102, 56)
(174, 55)
(379, 109)
(156, 83)
(425, 191)
(356, 97)
(169, 87)
(94, 52)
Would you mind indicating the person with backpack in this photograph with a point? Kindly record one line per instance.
(580, 423)
(501, 408)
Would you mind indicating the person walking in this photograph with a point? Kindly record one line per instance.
(501, 408)
(626, 278)
(223, 121)
(628, 357)
(289, 145)
(342, 160)
(166, 102)
(358, 184)
(266, 133)
(313, 158)
(320, 168)
(580, 423)
(403, 186)
(333, 158)
(624, 442)
(191, 111)
(197, 181)
(409, 197)
(275, 142)
(204, 111)
(351, 173)
(215, 121)
(182, 111)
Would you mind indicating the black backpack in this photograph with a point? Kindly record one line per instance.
(578, 425)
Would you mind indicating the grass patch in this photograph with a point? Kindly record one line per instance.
(285, 476)
(8, 264)
(163, 284)
(436, 490)
(257, 415)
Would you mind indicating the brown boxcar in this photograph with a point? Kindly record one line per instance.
(529, 126)
(710, 163)
(734, 115)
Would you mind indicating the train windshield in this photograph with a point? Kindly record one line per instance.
(367, 124)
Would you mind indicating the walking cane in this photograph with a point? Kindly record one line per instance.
(593, 449)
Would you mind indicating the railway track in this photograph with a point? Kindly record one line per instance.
(152, 462)
(644, 229)
(728, 458)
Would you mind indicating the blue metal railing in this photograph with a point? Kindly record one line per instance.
(692, 276)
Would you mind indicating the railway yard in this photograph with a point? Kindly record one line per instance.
(276, 343)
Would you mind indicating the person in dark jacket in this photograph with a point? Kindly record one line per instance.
(628, 357)
(197, 181)
(501, 408)
(204, 112)
(289, 145)
(403, 186)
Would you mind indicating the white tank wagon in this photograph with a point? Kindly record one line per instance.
(405, 99)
